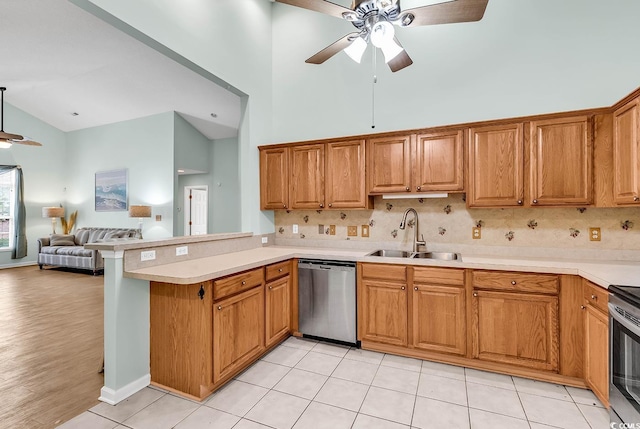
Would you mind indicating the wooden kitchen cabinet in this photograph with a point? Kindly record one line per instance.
(345, 175)
(306, 185)
(438, 162)
(389, 164)
(274, 178)
(626, 153)
(239, 331)
(596, 341)
(382, 304)
(277, 302)
(512, 326)
(496, 166)
(181, 331)
(438, 310)
(561, 159)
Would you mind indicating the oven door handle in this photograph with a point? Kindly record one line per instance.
(635, 329)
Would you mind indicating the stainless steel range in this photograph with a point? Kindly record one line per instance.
(624, 358)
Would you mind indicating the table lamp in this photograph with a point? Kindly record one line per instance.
(140, 212)
(53, 213)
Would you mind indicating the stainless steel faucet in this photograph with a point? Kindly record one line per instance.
(403, 224)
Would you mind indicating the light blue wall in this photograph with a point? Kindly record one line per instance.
(191, 148)
(225, 193)
(145, 148)
(44, 170)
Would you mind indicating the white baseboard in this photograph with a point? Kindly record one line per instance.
(112, 397)
(19, 264)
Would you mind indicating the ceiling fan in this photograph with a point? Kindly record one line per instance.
(374, 18)
(7, 139)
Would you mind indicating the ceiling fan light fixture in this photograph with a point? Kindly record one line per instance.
(356, 49)
(406, 19)
(350, 16)
(390, 50)
(5, 145)
(381, 33)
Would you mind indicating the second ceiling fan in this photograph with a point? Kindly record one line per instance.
(375, 19)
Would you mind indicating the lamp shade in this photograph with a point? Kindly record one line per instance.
(139, 211)
(52, 211)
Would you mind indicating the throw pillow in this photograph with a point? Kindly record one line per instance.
(62, 240)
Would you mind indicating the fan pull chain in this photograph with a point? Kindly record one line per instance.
(373, 90)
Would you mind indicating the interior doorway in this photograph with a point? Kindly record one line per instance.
(196, 210)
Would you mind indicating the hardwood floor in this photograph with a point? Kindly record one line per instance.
(51, 339)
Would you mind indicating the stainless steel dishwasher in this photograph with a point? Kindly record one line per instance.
(327, 300)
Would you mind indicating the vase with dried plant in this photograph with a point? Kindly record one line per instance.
(67, 226)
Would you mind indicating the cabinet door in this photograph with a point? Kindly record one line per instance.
(278, 309)
(438, 317)
(383, 312)
(345, 175)
(274, 178)
(561, 162)
(181, 335)
(238, 331)
(438, 162)
(307, 177)
(496, 162)
(596, 343)
(626, 156)
(389, 164)
(516, 328)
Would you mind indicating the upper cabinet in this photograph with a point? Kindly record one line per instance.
(429, 162)
(626, 156)
(496, 165)
(314, 176)
(561, 162)
(274, 178)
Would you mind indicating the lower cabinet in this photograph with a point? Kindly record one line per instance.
(238, 334)
(278, 303)
(596, 341)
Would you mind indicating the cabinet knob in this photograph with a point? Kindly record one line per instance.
(593, 297)
(475, 294)
(330, 205)
(519, 202)
(513, 282)
(321, 205)
(402, 288)
(270, 287)
(407, 188)
(535, 201)
(284, 206)
(418, 188)
(244, 282)
(636, 198)
(415, 288)
(582, 307)
(219, 307)
(279, 270)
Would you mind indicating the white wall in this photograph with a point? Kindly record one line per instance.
(145, 148)
(44, 169)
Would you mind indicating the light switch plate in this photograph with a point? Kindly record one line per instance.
(321, 229)
(332, 230)
(352, 231)
(295, 228)
(476, 233)
(364, 230)
(595, 234)
(182, 250)
(265, 240)
(148, 255)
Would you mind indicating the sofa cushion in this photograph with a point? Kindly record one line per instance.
(82, 235)
(96, 234)
(74, 251)
(115, 234)
(49, 250)
(61, 240)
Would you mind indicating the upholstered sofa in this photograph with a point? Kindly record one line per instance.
(68, 250)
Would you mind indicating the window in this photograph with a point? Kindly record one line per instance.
(7, 209)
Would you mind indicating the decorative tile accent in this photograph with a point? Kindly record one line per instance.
(343, 215)
(626, 225)
(305, 219)
(411, 223)
(372, 223)
(447, 209)
(509, 235)
(582, 209)
(319, 211)
(326, 231)
(389, 206)
(441, 230)
(302, 236)
(394, 233)
(574, 232)
(532, 224)
(421, 200)
(479, 223)
(281, 230)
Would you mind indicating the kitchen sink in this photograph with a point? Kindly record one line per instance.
(443, 256)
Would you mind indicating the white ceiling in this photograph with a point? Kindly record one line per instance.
(57, 59)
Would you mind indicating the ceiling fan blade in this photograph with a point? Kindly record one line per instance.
(447, 13)
(26, 141)
(318, 6)
(332, 49)
(401, 60)
(9, 136)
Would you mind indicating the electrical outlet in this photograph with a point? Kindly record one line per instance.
(182, 250)
(295, 228)
(352, 231)
(476, 233)
(332, 230)
(148, 255)
(321, 229)
(365, 230)
(265, 240)
(595, 234)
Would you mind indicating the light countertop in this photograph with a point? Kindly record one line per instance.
(602, 273)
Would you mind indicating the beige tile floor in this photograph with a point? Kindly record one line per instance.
(304, 384)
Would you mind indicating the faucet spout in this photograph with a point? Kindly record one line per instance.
(403, 225)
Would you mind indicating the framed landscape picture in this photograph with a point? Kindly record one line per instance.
(111, 190)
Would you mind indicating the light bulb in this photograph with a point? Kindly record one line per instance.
(356, 49)
(5, 145)
(381, 32)
(390, 50)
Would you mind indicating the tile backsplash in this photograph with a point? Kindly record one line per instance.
(447, 223)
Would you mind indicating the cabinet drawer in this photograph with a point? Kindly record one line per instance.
(440, 276)
(596, 296)
(237, 283)
(275, 271)
(385, 271)
(520, 282)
